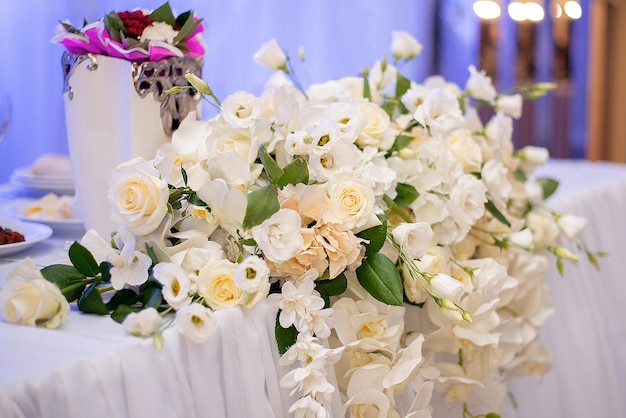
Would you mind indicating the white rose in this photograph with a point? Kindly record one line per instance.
(216, 284)
(414, 96)
(532, 157)
(495, 176)
(571, 225)
(466, 150)
(511, 104)
(404, 46)
(447, 287)
(196, 322)
(413, 238)
(29, 299)
(279, 236)
(252, 274)
(138, 196)
(241, 109)
(143, 323)
(544, 228)
(271, 56)
(159, 31)
(467, 200)
(348, 118)
(440, 112)
(176, 284)
(479, 85)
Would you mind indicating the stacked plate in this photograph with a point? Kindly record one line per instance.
(59, 184)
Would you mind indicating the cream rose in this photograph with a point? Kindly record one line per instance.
(466, 150)
(216, 284)
(353, 204)
(29, 299)
(138, 196)
(377, 125)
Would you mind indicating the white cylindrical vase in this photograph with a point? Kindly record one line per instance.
(116, 110)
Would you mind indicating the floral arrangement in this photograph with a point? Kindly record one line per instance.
(403, 241)
(137, 35)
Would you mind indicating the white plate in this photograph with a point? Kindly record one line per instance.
(25, 177)
(18, 209)
(33, 233)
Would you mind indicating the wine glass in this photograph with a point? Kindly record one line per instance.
(5, 115)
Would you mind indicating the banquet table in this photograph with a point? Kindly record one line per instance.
(91, 368)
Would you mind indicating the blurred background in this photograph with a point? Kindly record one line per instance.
(579, 44)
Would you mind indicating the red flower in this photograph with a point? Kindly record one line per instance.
(134, 22)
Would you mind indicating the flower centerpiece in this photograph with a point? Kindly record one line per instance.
(116, 71)
(402, 239)
(137, 35)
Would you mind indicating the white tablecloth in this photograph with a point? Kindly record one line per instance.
(587, 333)
(91, 368)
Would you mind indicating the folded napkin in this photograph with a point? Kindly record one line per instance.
(52, 165)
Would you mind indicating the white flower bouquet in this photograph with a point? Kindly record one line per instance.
(403, 241)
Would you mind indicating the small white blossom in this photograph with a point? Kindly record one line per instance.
(143, 323)
(196, 322)
(176, 284)
(252, 274)
(271, 56)
(404, 46)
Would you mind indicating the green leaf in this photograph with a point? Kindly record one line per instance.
(492, 415)
(548, 186)
(62, 275)
(82, 259)
(105, 270)
(520, 176)
(121, 312)
(496, 213)
(164, 14)
(122, 297)
(376, 236)
(389, 106)
(262, 203)
(367, 91)
(333, 287)
(270, 165)
(401, 142)
(114, 26)
(406, 194)
(249, 242)
(68, 279)
(285, 337)
(186, 30)
(152, 297)
(559, 266)
(195, 200)
(91, 301)
(182, 18)
(295, 172)
(403, 85)
(379, 276)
